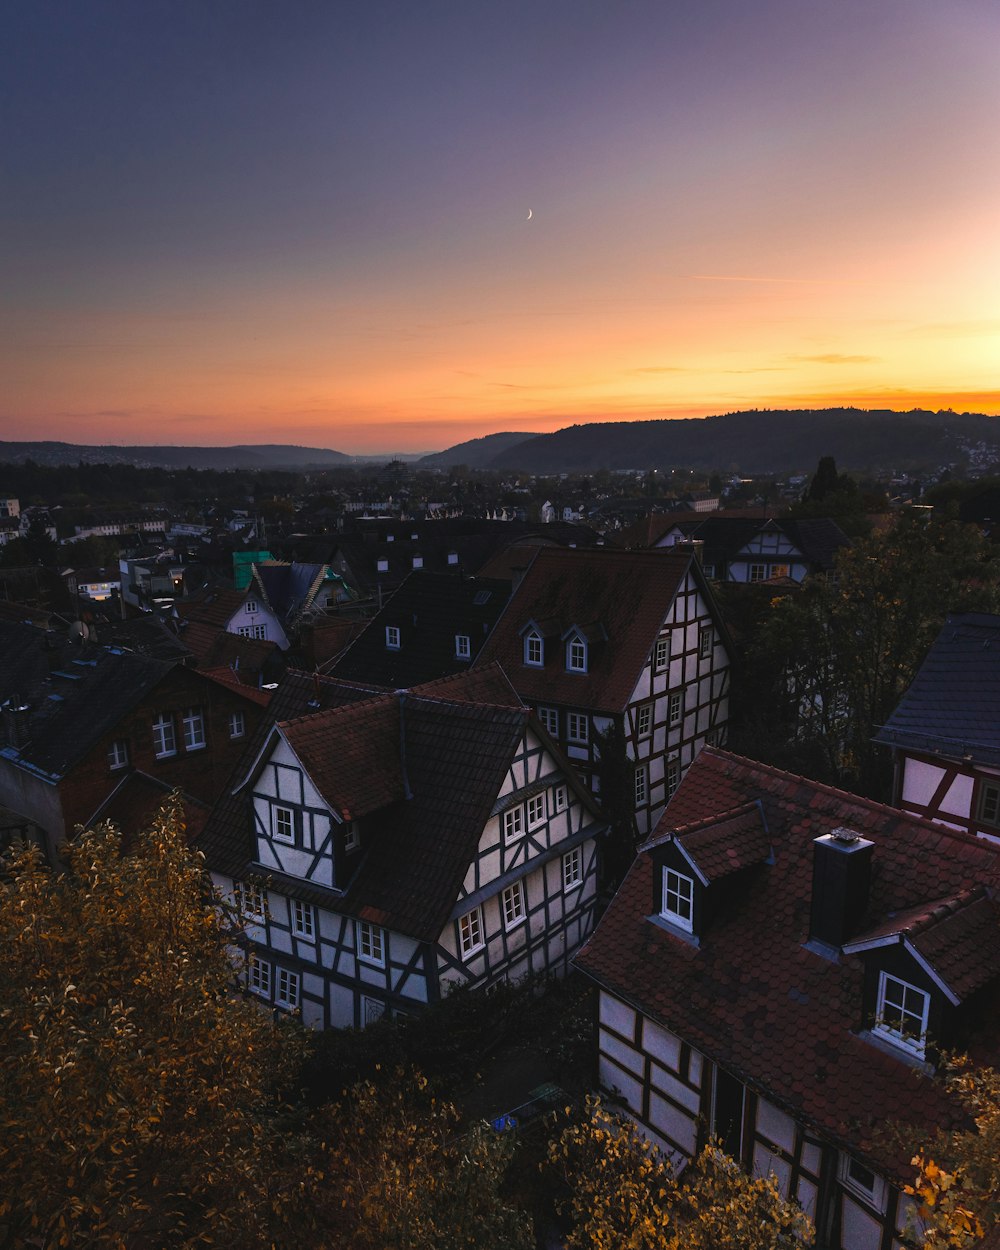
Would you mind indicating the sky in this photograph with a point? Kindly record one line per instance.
(382, 226)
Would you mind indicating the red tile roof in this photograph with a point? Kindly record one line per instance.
(231, 680)
(727, 843)
(213, 607)
(752, 996)
(627, 592)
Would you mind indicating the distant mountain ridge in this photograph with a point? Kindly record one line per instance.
(761, 442)
(262, 456)
(476, 453)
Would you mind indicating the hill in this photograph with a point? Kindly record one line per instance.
(264, 456)
(477, 453)
(762, 442)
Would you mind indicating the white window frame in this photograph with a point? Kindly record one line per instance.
(512, 822)
(259, 976)
(352, 836)
(193, 729)
(392, 637)
(418, 562)
(913, 1042)
(303, 919)
(640, 784)
(164, 736)
(757, 572)
(118, 754)
(644, 720)
(382, 566)
(237, 724)
(470, 932)
(576, 655)
(989, 803)
(577, 728)
(661, 654)
(283, 824)
(874, 1194)
(250, 607)
(251, 900)
(549, 717)
(253, 631)
(287, 987)
(463, 647)
(452, 557)
(706, 641)
(512, 905)
(672, 776)
(534, 810)
(678, 896)
(370, 942)
(675, 708)
(572, 869)
(534, 649)
(560, 798)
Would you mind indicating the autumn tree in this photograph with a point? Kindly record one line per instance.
(622, 1194)
(140, 1098)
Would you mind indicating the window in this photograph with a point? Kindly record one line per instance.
(513, 905)
(253, 631)
(392, 637)
(286, 993)
(237, 725)
(757, 572)
(250, 606)
(370, 943)
(901, 1017)
(549, 716)
(251, 899)
(463, 646)
(661, 653)
(352, 836)
(989, 804)
(164, 738)
(705, 640)
(641, 784)
(513, 823)
(372, 1009)
(193, 726)
(118, 754)
(560, 799)
(259, 976)
(779, 570)
(708, 570)
(382, 566)
(673, 776)
(533, 654)
(470, 931)
(303, 922)
(282, 824)
(863, 1181)
(418, 562)
(644, 720)
(572, 868)
(676, 707)
(678, 896)
(576, 656)
(577, 728)
(452, 557)
(536, 810)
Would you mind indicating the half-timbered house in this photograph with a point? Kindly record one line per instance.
(780, 967)
(386, 848)
(945, 731)
(607, 641)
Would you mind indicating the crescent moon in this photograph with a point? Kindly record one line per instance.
(528, 218)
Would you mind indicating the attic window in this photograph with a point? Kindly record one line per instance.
(533, 654)
(576, 655)
(678, 899)
(251, 605)
(392, 637)
(901, 1016)
(463, 646)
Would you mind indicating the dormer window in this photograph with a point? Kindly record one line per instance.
(392, 637)
(901, 1015)
(533, 653)
(352, 836)
(576, 655)
(678, 899)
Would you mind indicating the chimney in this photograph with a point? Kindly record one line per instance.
(692, 547)
(842, 863)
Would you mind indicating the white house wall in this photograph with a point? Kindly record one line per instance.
(283, 782)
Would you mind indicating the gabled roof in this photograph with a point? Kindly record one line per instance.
(752, 997)
(628, 592)
(212, 607)
(212, 647)
(951, 707)
(722, 844)
(725, 535)
(135, 801)
(429, 609)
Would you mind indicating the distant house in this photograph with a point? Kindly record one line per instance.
(780, 968)
(747, 548)
(600, 640)
(945, 731)
(246, 613)
(384, 848)
(95, 585)
(434, 625)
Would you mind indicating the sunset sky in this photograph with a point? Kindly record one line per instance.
(226, 221)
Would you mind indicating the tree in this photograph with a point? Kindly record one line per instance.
(616, 771)
(140, 1097)
(622, 1193)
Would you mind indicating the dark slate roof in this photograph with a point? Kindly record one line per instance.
(70, 695)
(751, 996)
(428, 609)
(289, 587)
(148, 635)
(817, 538)
(628, 592)
(952, 706)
